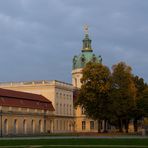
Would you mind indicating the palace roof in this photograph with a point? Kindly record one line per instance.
(25, 100)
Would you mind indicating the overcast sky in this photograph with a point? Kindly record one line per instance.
(38, 38)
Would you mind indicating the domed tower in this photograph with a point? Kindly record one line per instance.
(82, 59)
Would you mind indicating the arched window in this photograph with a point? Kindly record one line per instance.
(40, 126)
(5, 126)
(24, 127)
(64, 122)
(60, 124)
(57, 125)
(45, 125)
(15, 126)
(32, 126)
(70, 127)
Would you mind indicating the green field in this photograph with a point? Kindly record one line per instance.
(73, 143)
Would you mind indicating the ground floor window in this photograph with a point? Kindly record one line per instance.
(33, 126)
(40, 126)
(91, 125)
(15, 126)
(5, 126)
(57, 125)
(83, 125)
(45, 125)
(24, 127)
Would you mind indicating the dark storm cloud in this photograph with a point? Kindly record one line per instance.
(38, 39)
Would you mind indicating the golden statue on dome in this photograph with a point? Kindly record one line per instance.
(86, 29)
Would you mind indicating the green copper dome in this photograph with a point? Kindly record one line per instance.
(86, 55)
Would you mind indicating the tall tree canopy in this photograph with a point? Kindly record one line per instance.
(123, 93)
(142, 103)
(93, 95)
(116, 97)
(139, 110)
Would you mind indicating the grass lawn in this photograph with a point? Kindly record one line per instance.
(73, 143)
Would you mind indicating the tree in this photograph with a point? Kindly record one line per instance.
(94, 93)
(140, 85)
(142, 103)
(123, 94)
(138, 111)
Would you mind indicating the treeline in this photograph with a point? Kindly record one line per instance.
(116, 96)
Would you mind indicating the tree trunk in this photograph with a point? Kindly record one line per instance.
(105, 130)
(120, 126)
(126, 125)
(99, 128)
(135, 125)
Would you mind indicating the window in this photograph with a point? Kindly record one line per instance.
(15, 126)
(60, 124)
(82, 111)
(83, 125)
(70, 109)
(44, 125)
(24, 127)
(64, 109)
(40, 126)
(57, 108)
(6, 126)
(64, 125)
(32, 126)
(60, 108)
(57, 125)
(91, 125)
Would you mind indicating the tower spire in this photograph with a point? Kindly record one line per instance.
(86, 41)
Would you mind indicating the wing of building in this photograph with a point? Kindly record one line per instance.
(24, 113)
(59, 93)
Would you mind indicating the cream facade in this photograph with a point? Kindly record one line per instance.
(24, 121)
(59, 93)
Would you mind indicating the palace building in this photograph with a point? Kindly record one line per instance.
(24, 113)
(65, 118)
(61, 96)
